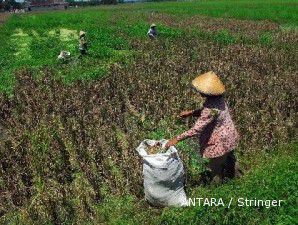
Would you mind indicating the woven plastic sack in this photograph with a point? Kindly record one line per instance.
(164, 175)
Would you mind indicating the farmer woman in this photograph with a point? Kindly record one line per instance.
(214, 128)
(82, 43)
(152, 33)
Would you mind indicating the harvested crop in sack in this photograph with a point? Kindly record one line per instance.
(164, 175)
(64, 55)
(157, 148)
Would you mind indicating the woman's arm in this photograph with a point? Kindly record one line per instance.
(195, 113)
(185, 114)
(205, 118)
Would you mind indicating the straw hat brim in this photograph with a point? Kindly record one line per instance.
(209, 84)
(82, 33)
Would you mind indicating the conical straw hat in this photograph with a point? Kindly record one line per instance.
(82, 33)
(153, 25)
(209, 84)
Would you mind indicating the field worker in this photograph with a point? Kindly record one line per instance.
(214, 128)
(152, 33)
(83, 43)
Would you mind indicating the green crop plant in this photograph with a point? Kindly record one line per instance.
(69, 130)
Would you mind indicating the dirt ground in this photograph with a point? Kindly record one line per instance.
(3, 17)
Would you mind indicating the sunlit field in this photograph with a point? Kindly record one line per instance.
(69, 130)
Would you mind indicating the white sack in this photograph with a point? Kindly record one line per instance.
(64, 55)
(164, 175)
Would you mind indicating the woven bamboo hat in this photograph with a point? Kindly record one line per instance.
(209, 84)
(82, 33)
(153, 25)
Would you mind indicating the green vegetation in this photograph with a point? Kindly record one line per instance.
(283, 12)
(68, 131)
(259, 183)
(35, 40)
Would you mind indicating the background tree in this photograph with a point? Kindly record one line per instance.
(11, 4)
(109, 2)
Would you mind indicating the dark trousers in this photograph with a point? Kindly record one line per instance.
(222, 168)
(83, 51)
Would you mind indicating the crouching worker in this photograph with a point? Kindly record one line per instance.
(152, 33)
(82, 43)
(214, 128)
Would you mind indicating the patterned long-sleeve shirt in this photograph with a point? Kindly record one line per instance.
(152, 33)
(215, 129)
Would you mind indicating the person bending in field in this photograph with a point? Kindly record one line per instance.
(152, 33)
(83, 43)
(214, 129)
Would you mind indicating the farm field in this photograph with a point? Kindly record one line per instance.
(69, 130)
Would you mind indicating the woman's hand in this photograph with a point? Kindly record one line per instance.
(171, 142)
(185, 114)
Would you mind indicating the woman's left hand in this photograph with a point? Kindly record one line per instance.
(185, 114)
(171, 142)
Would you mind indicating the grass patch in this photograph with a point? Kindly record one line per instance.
(282, 12)
(35, 40)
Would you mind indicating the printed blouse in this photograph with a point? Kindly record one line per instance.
(215, 129)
